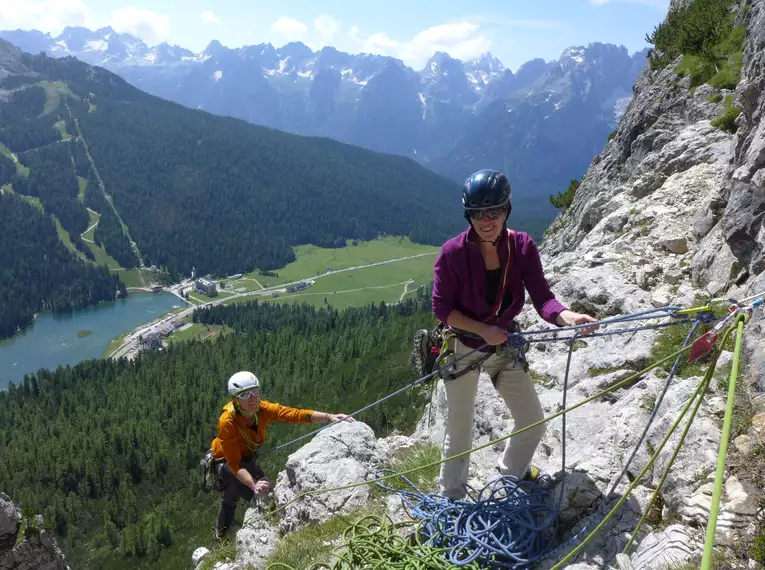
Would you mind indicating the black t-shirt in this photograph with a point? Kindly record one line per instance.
(493, 278)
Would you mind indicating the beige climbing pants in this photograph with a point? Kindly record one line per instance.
(517, 390)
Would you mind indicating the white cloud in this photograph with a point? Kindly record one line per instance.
(460, 40)
(327, 27)
(152, 27)
(208, 16)
(46, 15)
(290, 28)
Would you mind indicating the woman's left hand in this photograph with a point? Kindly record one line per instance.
(334, 418)
(570, 318)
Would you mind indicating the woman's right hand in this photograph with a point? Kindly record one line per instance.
(261, 487)
(494, 335)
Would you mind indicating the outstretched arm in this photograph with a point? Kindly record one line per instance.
(324, 417)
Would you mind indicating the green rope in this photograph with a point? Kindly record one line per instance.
(490, 443)
(741, 320)
(707, 378)
(698, 397)
(375, 542)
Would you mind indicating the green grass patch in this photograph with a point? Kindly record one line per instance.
(316, 543)
(704, 33)
(757, 550)
(196, 298)
(136, 277)
(417, 456)
(83, 334)
(727, 119)
(542, 379)
(89, 238)
(61, 127)
(34, 201)
(53, 92)
(93, 218)
(82, 183)
(596, 371)
(20, 168)
(65, 239)
(220, 553)
(103, 258)
(648, 403)
(312, 261)
(115, 344)
(31, 200)
(390, 283)
(198, 331)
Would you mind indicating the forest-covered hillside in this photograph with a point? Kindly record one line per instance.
(195, 190)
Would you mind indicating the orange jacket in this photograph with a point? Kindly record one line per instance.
(235, 439)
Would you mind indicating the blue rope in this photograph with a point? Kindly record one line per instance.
(507, 524)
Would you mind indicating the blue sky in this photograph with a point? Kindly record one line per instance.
(512, 30)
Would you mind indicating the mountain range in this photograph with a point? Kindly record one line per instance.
(541, 124)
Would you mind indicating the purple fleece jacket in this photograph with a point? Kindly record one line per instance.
(459, 282)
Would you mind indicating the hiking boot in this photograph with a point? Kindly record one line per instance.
(532, 473)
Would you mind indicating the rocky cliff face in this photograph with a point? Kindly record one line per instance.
(38, 550)
(670, 211)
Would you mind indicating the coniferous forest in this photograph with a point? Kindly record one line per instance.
(108, 451)
(37, 272)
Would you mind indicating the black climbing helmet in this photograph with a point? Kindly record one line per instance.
(485, 189)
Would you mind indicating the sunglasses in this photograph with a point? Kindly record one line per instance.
(255, 393)
(491, 214)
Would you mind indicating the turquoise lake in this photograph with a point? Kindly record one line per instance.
(53, 340)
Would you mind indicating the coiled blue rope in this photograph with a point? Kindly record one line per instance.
(508, 524)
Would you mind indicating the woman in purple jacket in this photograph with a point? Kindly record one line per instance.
(478, 289)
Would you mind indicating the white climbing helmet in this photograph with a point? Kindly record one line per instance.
(241, 382)
(199, 553)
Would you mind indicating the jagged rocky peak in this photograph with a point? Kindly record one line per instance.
(215, 49)
(298, 51)
(487, 63)
(106, 32)
(441, 64)
(329, 57)
(530, 71)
